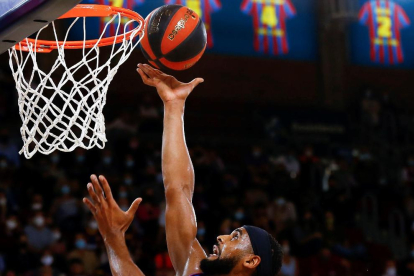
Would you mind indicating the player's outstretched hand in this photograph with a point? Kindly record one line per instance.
(111, 219)
(168, 87)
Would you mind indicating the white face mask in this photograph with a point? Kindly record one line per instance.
(36, 206)
(47, 260)
(286, 249)
(11, 224)
(3, 201)
(39, 221)
(391, 271)
(93, 225)
(56, 236)
(280, 201)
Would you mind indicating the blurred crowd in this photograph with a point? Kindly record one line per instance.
(324, 208)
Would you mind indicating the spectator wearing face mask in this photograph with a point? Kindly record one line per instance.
(289, 263)
(390, 268)
(39, 236)
(9, 234)
(66, 208)
(88, 257)
(47, 261)
(109, 164)
(283, 213)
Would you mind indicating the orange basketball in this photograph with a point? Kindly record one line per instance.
(175, 37)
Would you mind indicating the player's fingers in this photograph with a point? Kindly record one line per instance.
(159, 72)
(153, 69)
(149, 70)
(90, 206)
(145, 78)
(196, 82)
(134, 206)
(145, 69)
(106, 187)
(98, 188)
(93, 195)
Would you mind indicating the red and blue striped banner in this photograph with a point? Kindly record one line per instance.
(269, 21)
(384, 19)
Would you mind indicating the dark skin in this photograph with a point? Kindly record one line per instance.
(178, 174)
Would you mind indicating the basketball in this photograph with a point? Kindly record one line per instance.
(175, 38)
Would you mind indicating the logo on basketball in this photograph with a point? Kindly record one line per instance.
(181, 24)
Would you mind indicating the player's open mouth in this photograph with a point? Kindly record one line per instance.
(216, 251)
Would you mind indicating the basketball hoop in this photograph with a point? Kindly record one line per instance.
(78, 120)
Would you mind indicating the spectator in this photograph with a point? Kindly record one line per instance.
(39, 236)
(89, 259)
(283, 213)
(289, 263)
(66, 208)
(390, 268)
(308, 236)
(76, 268)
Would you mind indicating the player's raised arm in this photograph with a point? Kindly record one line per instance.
(178, 174)
(112, 224)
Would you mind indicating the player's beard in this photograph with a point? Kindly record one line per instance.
(218, 266)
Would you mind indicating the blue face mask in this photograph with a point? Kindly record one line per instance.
(65, 190)
(123, 194)
(80, 158)
(239, 215)
(364, 156)
(80, 244)
(130, 163)
(107, 160)
(55, 159)
(201, 231)
(128, 181)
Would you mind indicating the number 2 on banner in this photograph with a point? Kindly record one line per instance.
(384, 28)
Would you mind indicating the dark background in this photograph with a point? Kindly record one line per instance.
(319, 153)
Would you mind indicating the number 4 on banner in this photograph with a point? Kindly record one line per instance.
(269, 22)
(384, 19)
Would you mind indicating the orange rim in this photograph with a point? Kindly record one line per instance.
(85, 10)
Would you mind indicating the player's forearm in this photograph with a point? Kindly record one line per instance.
(119, 259)
(177, 168)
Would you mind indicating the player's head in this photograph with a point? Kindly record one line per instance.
(247, 250)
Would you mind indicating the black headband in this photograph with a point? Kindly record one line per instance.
(260, 241)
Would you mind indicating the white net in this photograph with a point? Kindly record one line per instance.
(65, 112)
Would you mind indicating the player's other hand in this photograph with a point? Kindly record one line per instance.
(168, 87)
(112, 221)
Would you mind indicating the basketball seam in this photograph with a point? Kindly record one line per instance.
(186, 39)
(161, 35)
